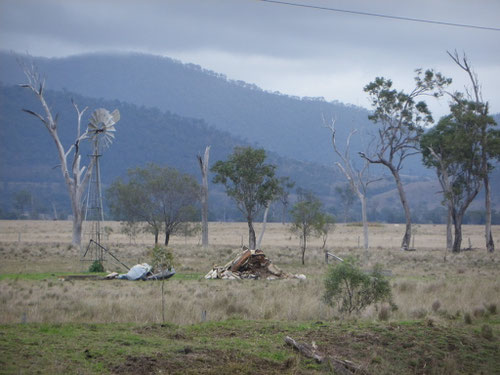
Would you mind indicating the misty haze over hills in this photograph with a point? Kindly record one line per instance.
(171, 111)
(290, 126)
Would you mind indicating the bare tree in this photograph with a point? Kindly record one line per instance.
(281, 194)
(401, 122)
(75, 176)
(264, 223)
(481, 108)
(357, 179)
(203, 162)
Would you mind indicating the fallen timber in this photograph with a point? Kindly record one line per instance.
(250, 264)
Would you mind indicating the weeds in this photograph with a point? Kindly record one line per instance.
(467, 318)
(419, 278)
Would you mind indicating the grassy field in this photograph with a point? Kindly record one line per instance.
(446, 322)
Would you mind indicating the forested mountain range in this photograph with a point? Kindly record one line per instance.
(28, 156)
(290, 126)
(170, 112)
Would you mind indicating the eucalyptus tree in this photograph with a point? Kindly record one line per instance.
(453, 148)
(488, 137)
(75, 175)
(249, 181)
(309, 219)
(162, 197)
(401, 120)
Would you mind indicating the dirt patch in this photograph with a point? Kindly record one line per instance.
(191, 361)
(164, 330)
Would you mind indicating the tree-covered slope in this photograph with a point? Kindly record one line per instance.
(143, 135)
(290, 126)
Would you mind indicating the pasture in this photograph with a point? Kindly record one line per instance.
(438, 302)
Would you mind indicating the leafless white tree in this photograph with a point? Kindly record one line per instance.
(357, 179)
(75, 176)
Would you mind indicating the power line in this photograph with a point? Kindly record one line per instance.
(383, 15)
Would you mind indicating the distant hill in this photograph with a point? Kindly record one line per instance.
(143, 135)
(171, 111)
(290, 126)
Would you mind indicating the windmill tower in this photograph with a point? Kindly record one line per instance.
(100, 131)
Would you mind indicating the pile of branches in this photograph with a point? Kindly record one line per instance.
(250, 264)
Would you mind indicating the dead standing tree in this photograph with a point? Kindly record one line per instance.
(203, 162)
(356, 178)
(75, 176)
(401, 122)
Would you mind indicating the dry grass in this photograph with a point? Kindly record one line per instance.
(424, 286)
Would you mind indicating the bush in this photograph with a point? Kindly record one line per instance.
(96, 266)
(162, 258)
(352, 289)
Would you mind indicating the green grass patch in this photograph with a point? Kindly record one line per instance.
(45, 275)
(245, 347)
(59, 275)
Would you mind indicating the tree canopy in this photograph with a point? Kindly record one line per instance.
(454, 147)
(308, 218)
(401, 119)
(249, 181)
(160, 196)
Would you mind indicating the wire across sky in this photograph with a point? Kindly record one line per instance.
(421, 20)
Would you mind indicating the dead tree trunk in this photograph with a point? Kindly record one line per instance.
(365, 221)
(204, 196)
(490, 244)
(264, 222)
(340, 366)
(75, 177)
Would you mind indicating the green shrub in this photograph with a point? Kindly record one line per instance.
(162, 258)
(352, 289)
(96, 266)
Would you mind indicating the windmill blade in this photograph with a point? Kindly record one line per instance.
(116, 115)
(100, 115)
(102, 123)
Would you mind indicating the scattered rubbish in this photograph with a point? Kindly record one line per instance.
(137, 272)
(250, 264)
(163, 275)
(142, 272)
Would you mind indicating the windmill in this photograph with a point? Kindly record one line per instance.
(100, 131)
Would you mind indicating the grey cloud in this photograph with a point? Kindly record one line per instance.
(299, 39)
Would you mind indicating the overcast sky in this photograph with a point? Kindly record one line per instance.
(294, 50)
